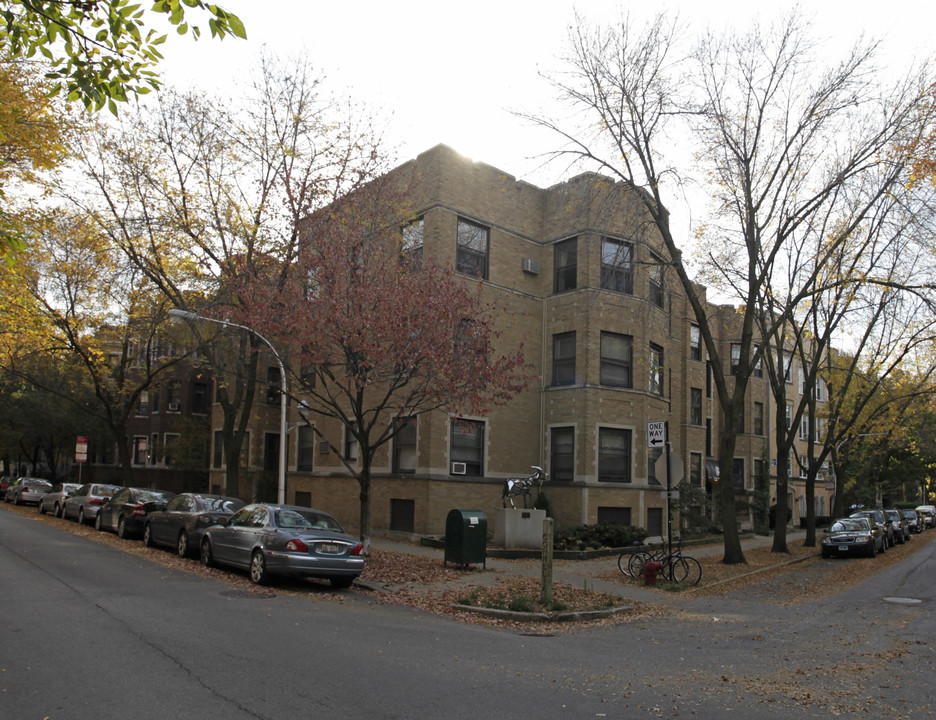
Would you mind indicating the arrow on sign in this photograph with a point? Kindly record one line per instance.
(656, 434)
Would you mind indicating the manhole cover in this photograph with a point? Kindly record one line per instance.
(247, 595)
(902, 600)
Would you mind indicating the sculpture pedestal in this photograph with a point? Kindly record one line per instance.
(516, 529)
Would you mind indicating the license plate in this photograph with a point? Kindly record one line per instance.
(330, 548)
(842, 548)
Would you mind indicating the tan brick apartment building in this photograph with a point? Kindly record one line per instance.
(605, 325)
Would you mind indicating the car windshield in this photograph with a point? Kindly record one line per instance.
(105, 489)
(151, 496)
(909, 514)
(307, 521)
(222, 504)
(40, 483)
(848, 525)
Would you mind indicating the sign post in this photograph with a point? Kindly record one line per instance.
(658, 436)
(81, 453)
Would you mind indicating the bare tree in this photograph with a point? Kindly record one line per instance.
(779, 138)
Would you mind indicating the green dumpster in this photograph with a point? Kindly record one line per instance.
(466, 537)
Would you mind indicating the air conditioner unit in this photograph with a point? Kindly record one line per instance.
(458, 468)
(173, 407)
(531, 266)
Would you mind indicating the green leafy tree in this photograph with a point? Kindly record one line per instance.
(102, 51)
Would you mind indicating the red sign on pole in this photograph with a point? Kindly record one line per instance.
(81, 449)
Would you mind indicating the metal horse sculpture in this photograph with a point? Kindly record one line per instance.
(523, 486)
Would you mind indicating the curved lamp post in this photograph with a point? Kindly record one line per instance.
(195, 317)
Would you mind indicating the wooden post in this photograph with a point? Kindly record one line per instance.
(546, 591)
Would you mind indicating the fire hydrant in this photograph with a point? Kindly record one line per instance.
(650, 571)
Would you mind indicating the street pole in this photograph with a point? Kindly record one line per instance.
(669, 489)
(193, 317)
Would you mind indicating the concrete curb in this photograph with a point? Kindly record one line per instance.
(541, 617)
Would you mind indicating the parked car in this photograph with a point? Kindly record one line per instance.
(929, 514)
(184, 521)
(87, 500)
(27, 490)
(272, 540)
(899, 522)
(126, 512)
(5, 482)
(54, 500)
(914, 520)
(851, 536)
(879, 519)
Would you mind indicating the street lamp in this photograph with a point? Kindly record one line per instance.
(194, 317)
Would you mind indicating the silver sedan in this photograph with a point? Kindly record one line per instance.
(272, 540)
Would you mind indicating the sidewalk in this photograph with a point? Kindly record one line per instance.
(577, 573)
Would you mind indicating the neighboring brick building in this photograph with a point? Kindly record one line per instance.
(606, 326)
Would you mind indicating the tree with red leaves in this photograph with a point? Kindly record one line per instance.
(377, 335)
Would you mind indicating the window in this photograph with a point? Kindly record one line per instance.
(758, 418)
(708, 378)
(274, 386)
(565, 262)
(404, 447)
(695, 469)
(695, 406)
(738, 474)
(820, 389)
(306, 448)
(617, 265)
(170, 445)
(411, 244)
(789, 415)
(804, 427)
(656, 280)
(467, 445)
(200, 396)
(142, 407)
(271, 450)
(787, 367)
(735, 358)
(217, 457)
(562, 453)
(653, 455)
(614, 455)
(617, 360)
(471, 255)
(174, 399)
(139, 449)
(564, 359)
(695, 342)
(656, 369)
(154, 400)
(614, 515)
(350, 443)
(153, 445)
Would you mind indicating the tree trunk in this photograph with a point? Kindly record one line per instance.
(734, 553)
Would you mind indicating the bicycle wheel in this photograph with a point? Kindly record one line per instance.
(686, 570)
(637, 562)
(623, 562)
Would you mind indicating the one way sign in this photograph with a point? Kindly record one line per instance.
(656, 434)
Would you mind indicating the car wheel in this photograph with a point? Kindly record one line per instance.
(205, 554)
(341, 582)
(873, 551)
(16, 500)
(81, 519)
(182, 546)
(57, 510)
(41, 507)
(148, 536)
(258, 570)
(98, 521)
(122, 528)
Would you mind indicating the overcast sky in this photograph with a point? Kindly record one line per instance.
(453, 72)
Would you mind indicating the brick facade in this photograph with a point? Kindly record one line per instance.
(573, 397)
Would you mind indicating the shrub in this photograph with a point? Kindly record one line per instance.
(595, 537)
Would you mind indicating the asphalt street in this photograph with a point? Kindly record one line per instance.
(88, 631)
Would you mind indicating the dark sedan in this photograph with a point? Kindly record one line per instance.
(272, 540)
(851, 536)
(184, 521)
(880, 520)
(126, 512)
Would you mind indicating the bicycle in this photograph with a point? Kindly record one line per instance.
(674, 566)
